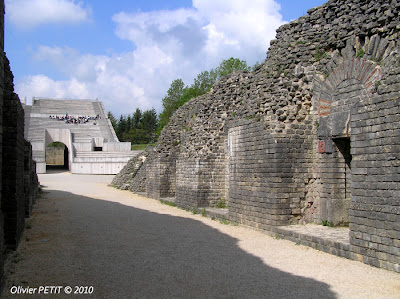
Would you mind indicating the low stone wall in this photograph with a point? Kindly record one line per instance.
(55, 156)
(133, 175)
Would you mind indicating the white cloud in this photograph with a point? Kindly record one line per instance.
(43, 86)
(26, 14)
(90, 76)
(168, 45)
(209, 32)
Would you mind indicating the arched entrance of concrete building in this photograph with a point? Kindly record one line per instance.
(61, 139)
(57, 154)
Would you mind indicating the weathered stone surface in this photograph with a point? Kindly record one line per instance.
(2, 245)
(310, 136)
(129, 176)
(13, 203)
(18, 179)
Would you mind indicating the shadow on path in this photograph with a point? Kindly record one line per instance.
(56, 169)
(125, 252)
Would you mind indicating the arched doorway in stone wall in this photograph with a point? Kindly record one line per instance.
(57, 154)
(347, 86)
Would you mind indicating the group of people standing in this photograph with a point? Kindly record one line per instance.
(75, 120)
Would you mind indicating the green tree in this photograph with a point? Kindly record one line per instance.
(230, 65)
(139, 128)
(256, 65)
(149, 121)
(128, 125)
(136, 118)
(178, 94)
(137, 136)
(112, 120)
(204, 81)
(121, 127)
(171, 101)
(201, 85)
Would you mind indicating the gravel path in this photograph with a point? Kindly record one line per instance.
(84, 233)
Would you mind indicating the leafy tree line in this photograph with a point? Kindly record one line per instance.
(138, 128)
(178, 94)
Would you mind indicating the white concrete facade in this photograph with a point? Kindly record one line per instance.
(93, 147)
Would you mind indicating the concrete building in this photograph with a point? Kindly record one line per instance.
(91, 145)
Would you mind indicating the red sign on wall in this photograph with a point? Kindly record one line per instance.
(321, 146)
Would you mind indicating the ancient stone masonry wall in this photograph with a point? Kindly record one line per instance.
(54, 155)
(31, 182)
(375, 203)
(18, 179)
(133, 175)
(309, 136)
(13, 203)
(266, 188)
(1, 137)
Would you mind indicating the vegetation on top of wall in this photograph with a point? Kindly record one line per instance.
(178, 94)
(321, 54)
(56, 144)
(360, 53)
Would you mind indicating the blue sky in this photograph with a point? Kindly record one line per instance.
(126, 53)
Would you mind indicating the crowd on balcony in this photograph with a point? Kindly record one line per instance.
(75, 120)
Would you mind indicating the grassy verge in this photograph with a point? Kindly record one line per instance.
(168, 203)
(140, 147)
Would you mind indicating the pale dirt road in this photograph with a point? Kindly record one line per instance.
(84, 233)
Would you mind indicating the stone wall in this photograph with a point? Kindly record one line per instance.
(375, 202)
(310, 136)
(55, 155)
(2, 245)
(18, 179)
(268, 176)
(13, 204)
(133, 175)
(31, 182)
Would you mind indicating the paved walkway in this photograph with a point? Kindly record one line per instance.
(84, 233)
(336, 234)
(334, 240)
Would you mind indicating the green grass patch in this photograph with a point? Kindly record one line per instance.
(168, 203)
(321, 54)
(360, 53)
(327, 223)
(224, 221)
(140, 147)
(28, 225)
(222, 204)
